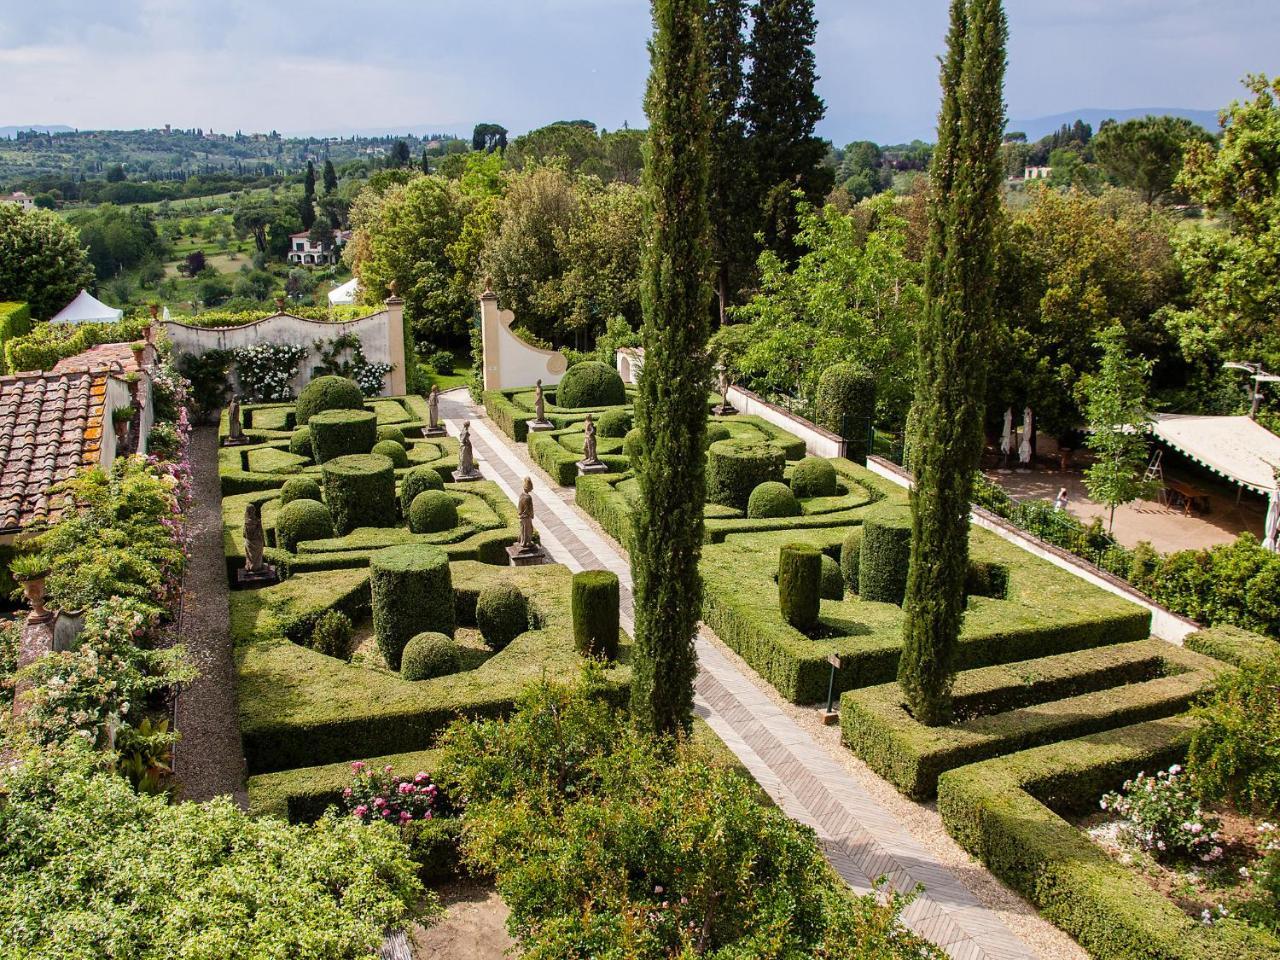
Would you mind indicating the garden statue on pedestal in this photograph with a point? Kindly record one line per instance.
(256, 572)
(434, 427)
(235, 429)
(540, 421)
(526, 551)
(466, 457)
(724, 408)
(590, 462)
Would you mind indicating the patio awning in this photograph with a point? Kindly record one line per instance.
(1233, 447)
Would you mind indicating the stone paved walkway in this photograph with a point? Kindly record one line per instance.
(862, 839)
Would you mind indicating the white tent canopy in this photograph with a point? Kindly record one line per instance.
(86, 308)
(345, 293)
(1233, 447)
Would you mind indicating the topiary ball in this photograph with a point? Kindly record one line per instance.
(502, 614)
(389, 432)
(813, 477)
(300, 443)
(429, 655)
(333, 635)
(415, 482)
(614, 423)
(772, 499)
(327, 393)
(393, 451)
(717, 432)
(432, 511)
(301, 520)
(632, 444)
(832, 585)
(591, 384)
(300, 488)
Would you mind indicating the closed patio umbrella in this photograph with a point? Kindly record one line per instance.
(1272, 542)
(1024, 448)
(1006, 437)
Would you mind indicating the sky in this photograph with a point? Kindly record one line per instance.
(328, 66)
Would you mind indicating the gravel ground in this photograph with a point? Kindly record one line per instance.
(209, 759)
(474, 926)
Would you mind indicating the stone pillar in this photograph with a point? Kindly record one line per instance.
(489, 339)
(397, 383)
(36, 641)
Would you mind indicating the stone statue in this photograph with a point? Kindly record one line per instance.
(724, 383)
(466, 457)
(589, 442)
(433, 407)
(724, 408)
(524, 510)
(254, 539)
(539, 402)
(235, 429)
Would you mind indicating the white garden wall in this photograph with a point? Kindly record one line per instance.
(817, 440)
(508, 361)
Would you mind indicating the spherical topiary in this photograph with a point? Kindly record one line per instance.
(736, 467)
(591, 384)
(813, 477)
(886, 552)
(342, 433)
(595, 613)
(772, 499)
(300, 488)
(333, 634)
(502, 614)
(614, 423)
(390, 432)
(832, 586)
(432, 511)
(301, 520)
(717, 432)
(393, 451)
(300, 443)
(799, 584)
(412, 593)
(415, 482)
(360, 492)
(846, 405)
(632, 444)
(850, 554)
(327, 393)
(429, 655)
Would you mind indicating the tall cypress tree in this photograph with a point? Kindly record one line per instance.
(309, 182)
(733, 247)
(671, 407)
(330, 177)
(947, 415)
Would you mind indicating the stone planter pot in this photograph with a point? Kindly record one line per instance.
(33, 590)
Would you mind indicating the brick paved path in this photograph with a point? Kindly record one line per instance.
(862, 839)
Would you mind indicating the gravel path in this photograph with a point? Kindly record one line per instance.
(209, 760)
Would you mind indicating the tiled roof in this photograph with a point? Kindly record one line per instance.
(116, 357)
(50, 428)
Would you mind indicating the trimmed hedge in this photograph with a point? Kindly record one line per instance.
(850, 557)
(772, 499)
(813, 477)
(845, 404)
(590, 384)
(799, 584)
(595, 606)
(412, 593)
(300, 443)
(985, 579)
(343, 433)
(15, 321)
(614, 423)
(502, 614)
(327, 393)
(300, 520)
(715, 433)
(886, 552)
(300, 488)
(360, 492)
(832, 587)
(391, 432)
(1003, 812)
(632, 444)
(393, 451)
(429, 655)
(1233, 645)
(432, 511)
(416, 481)
(735, 469)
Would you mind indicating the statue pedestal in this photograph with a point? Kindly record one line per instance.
(540, 425)
(585, 468)
(459, 477)
(529, 555)
(235, 441)
(251, 579)
(724, 410)
(435, 432)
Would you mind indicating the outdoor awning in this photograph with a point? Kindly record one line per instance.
(86, 308)
(1233, 447)
(346, 293)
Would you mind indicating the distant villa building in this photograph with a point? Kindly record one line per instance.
(19, 198)
(1038, 173)
(303, 251)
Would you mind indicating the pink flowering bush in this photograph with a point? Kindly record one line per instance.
(1162, 815)
(382, 796)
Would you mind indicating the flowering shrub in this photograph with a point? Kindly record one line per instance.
(380, 795)
(1235, 752)
(370, 376)
(1264, 908)
(265, 370)
(1162, 815)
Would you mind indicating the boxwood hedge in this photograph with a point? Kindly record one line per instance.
(327, 393)
(412, 594)
(360, 492)
(342, 433)
(735, 468)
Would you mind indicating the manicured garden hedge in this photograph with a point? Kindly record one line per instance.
(15, 321)
(595, 613)
(590, 384)
(327, 393)
(342, 433)
(885, 554)
(360, 492)
(734, 469)
(412, 594)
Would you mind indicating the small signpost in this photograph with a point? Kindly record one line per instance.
(831, 716)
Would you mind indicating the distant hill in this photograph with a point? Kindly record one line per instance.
(8, 133)
(1043, 126)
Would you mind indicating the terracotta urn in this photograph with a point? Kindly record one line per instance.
(33, 590)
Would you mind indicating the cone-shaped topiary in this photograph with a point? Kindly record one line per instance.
(429, 655)
(343, 433)
(735, 468)
(850, 555)
(502, 614)
(814, 477)
(391, 432)
(412, 593)
(886, 553)
(360, 492)
(595, 613)
(799, 584)
(717, 432)
(591, 384)
(300, 488)
(846, 405)
(432, 511)
(300, 443)
(832, 587)
(632, 444)
(327, 393)
(415, 482)
(614, 423)
(301, 520)
(772, 499)
(393, 451)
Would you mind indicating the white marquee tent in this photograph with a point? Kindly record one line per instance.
(345, 293)
(86, 308)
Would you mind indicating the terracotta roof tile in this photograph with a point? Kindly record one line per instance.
(114, 357)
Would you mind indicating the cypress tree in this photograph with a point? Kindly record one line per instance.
(671, 407)
(733, 247)
(330, 177)
(309, 184)
(947, 414)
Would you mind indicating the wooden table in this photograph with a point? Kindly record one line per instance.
(1188, 497)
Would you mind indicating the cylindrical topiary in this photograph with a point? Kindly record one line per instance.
(846, 405)
(432, 511)
(850, 555)
(632, 444)
(735, 468)
(614, 423)
(300, 488)
(886, 554)
(429, 655)
(415, 482)
(814, 477)
(412, 593)
(327, 393)
(717, 432)
(591, 384)
(300, 443)
(502, 614)
(360, 492)
(343, 433)
(772, 499)
(832, 587)
(301, 520)
(799, 584)
(390, 432)
(393, 451)
(595, 613)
